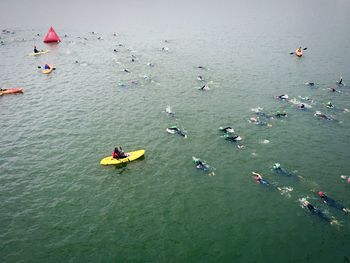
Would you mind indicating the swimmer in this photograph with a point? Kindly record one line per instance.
(200, 78)
(329, 105)
(174, 129)
(76, 61)
(334, 90)
(329, 201)
(227, 129)
(321, 115)
(282, 97)
(309, 99)
(257, 121)
(279, 114)
(114, 50)
(150, 65)
(306, 204)
(202, 165)
(126, 70)
(134, 81)
(345, 177)
(259, 179)
(301, 106)
(165, 49)
(282, 171)
(258, 111)
(168, 110)
(232, 138)
(309, 83)
(201, 67)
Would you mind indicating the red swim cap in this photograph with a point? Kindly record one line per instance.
(321, 193)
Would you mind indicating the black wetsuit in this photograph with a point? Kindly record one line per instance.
(281, 114)
(318, 212)
(201, 165)
(232, 138)
(329, 201)
(178, 131)
(226, 129)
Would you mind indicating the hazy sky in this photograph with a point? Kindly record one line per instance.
(119, 14)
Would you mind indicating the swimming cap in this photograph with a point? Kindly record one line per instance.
(321, 193)
(276, 166)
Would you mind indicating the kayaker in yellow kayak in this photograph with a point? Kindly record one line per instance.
(118, 153)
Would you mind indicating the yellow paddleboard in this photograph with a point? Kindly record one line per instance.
(39, 53)
(47, 71)
(132, 156)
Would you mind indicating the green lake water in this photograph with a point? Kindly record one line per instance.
(58, 204)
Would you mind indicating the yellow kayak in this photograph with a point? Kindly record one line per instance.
(132, 156)
(39, 53)
(47, 71)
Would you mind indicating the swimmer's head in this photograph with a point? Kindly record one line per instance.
(276, 166)
(320, 193)
(252, 119)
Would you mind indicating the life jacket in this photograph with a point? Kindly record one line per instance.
(115, 154)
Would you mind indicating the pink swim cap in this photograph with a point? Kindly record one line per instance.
(320, 193)
(349, 180)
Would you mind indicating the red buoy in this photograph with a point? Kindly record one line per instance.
(52, 37)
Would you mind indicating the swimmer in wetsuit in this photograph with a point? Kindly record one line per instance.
(174, 129)
(316, 211)
(227, 129)
(331, 202)
(259, 179)
(200, 164)
(232, 138)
